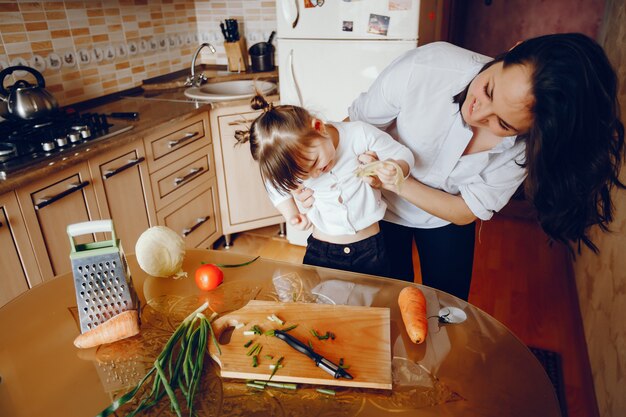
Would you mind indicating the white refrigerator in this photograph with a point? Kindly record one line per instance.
(330, 51)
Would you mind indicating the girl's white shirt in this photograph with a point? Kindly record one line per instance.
(344, 204)
(412, 100)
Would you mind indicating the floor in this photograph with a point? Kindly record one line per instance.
(518, 278)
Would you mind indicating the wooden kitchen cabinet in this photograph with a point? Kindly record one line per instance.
(244, 203)
(49, 206)
(17, 263)
(123, 191)
(182, 178)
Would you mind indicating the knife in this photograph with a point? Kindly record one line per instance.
(235, 30)
(335, 370)
(224, 31)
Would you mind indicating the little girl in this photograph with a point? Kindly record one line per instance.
(296, 150)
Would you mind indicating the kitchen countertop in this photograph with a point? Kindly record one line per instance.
(155, 103)
(474, 368)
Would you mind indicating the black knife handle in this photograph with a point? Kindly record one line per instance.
(297, 345)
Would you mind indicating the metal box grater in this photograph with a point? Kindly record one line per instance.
(101, 275)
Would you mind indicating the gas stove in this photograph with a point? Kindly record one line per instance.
(26, 144)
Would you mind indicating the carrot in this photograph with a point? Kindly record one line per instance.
(413, 308)
(125, 324)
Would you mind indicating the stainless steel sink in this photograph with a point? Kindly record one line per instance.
(229, 90)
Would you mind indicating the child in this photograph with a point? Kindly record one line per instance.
(296, 150)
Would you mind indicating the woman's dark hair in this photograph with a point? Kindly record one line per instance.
(575, 147)
(279, 138)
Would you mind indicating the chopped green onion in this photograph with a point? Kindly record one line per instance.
(249, 332)
(325, 391)
(341, 365)
(236, 265)
(275, 318)
(269, 332)
(256, 329)
(257, 386)
(290, 328)
(268, 357)
(310, 344)
(248, 343)
(255, 361)
(322, 337)
(275, 367)
(253, 349)
(277, 384)
(239, 326)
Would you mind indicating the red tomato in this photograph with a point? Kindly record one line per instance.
(208, 277)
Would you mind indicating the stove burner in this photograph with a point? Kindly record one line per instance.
(83, 131)
(61, 140)
(25, 143)
(48, 146)
(74, 136)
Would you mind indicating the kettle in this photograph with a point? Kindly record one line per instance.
(23, 100)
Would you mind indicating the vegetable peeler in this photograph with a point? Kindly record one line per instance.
(335, 370)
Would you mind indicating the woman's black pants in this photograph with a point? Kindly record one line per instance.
(446, 255)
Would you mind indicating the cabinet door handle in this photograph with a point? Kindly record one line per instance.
(46, 201)
(192, 173)
(185, 138)
(241, 122)
(131, 163)
(199, 222)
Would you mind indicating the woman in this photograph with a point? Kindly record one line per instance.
(546, 111)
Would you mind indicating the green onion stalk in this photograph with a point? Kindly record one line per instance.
(179, 365)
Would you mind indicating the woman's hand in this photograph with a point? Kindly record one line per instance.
(304, 196)
(388, 175)
(300, 222)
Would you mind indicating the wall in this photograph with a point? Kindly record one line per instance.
(495, 28)
(601, 280)
(122, 42)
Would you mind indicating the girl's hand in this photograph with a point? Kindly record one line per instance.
(304, 196)
(300, 222)
(366, 158)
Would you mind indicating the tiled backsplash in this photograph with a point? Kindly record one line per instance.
(86, 49)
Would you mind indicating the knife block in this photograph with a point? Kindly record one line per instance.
(237, 55)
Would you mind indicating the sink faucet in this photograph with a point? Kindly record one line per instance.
(196, 80)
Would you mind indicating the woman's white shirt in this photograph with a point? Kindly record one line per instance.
(412, 100)
(344, 204)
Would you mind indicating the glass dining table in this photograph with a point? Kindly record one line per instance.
(469, 365)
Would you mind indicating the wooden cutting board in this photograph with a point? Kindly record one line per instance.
(362, 339)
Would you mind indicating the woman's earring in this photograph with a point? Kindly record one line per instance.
(317, 124)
